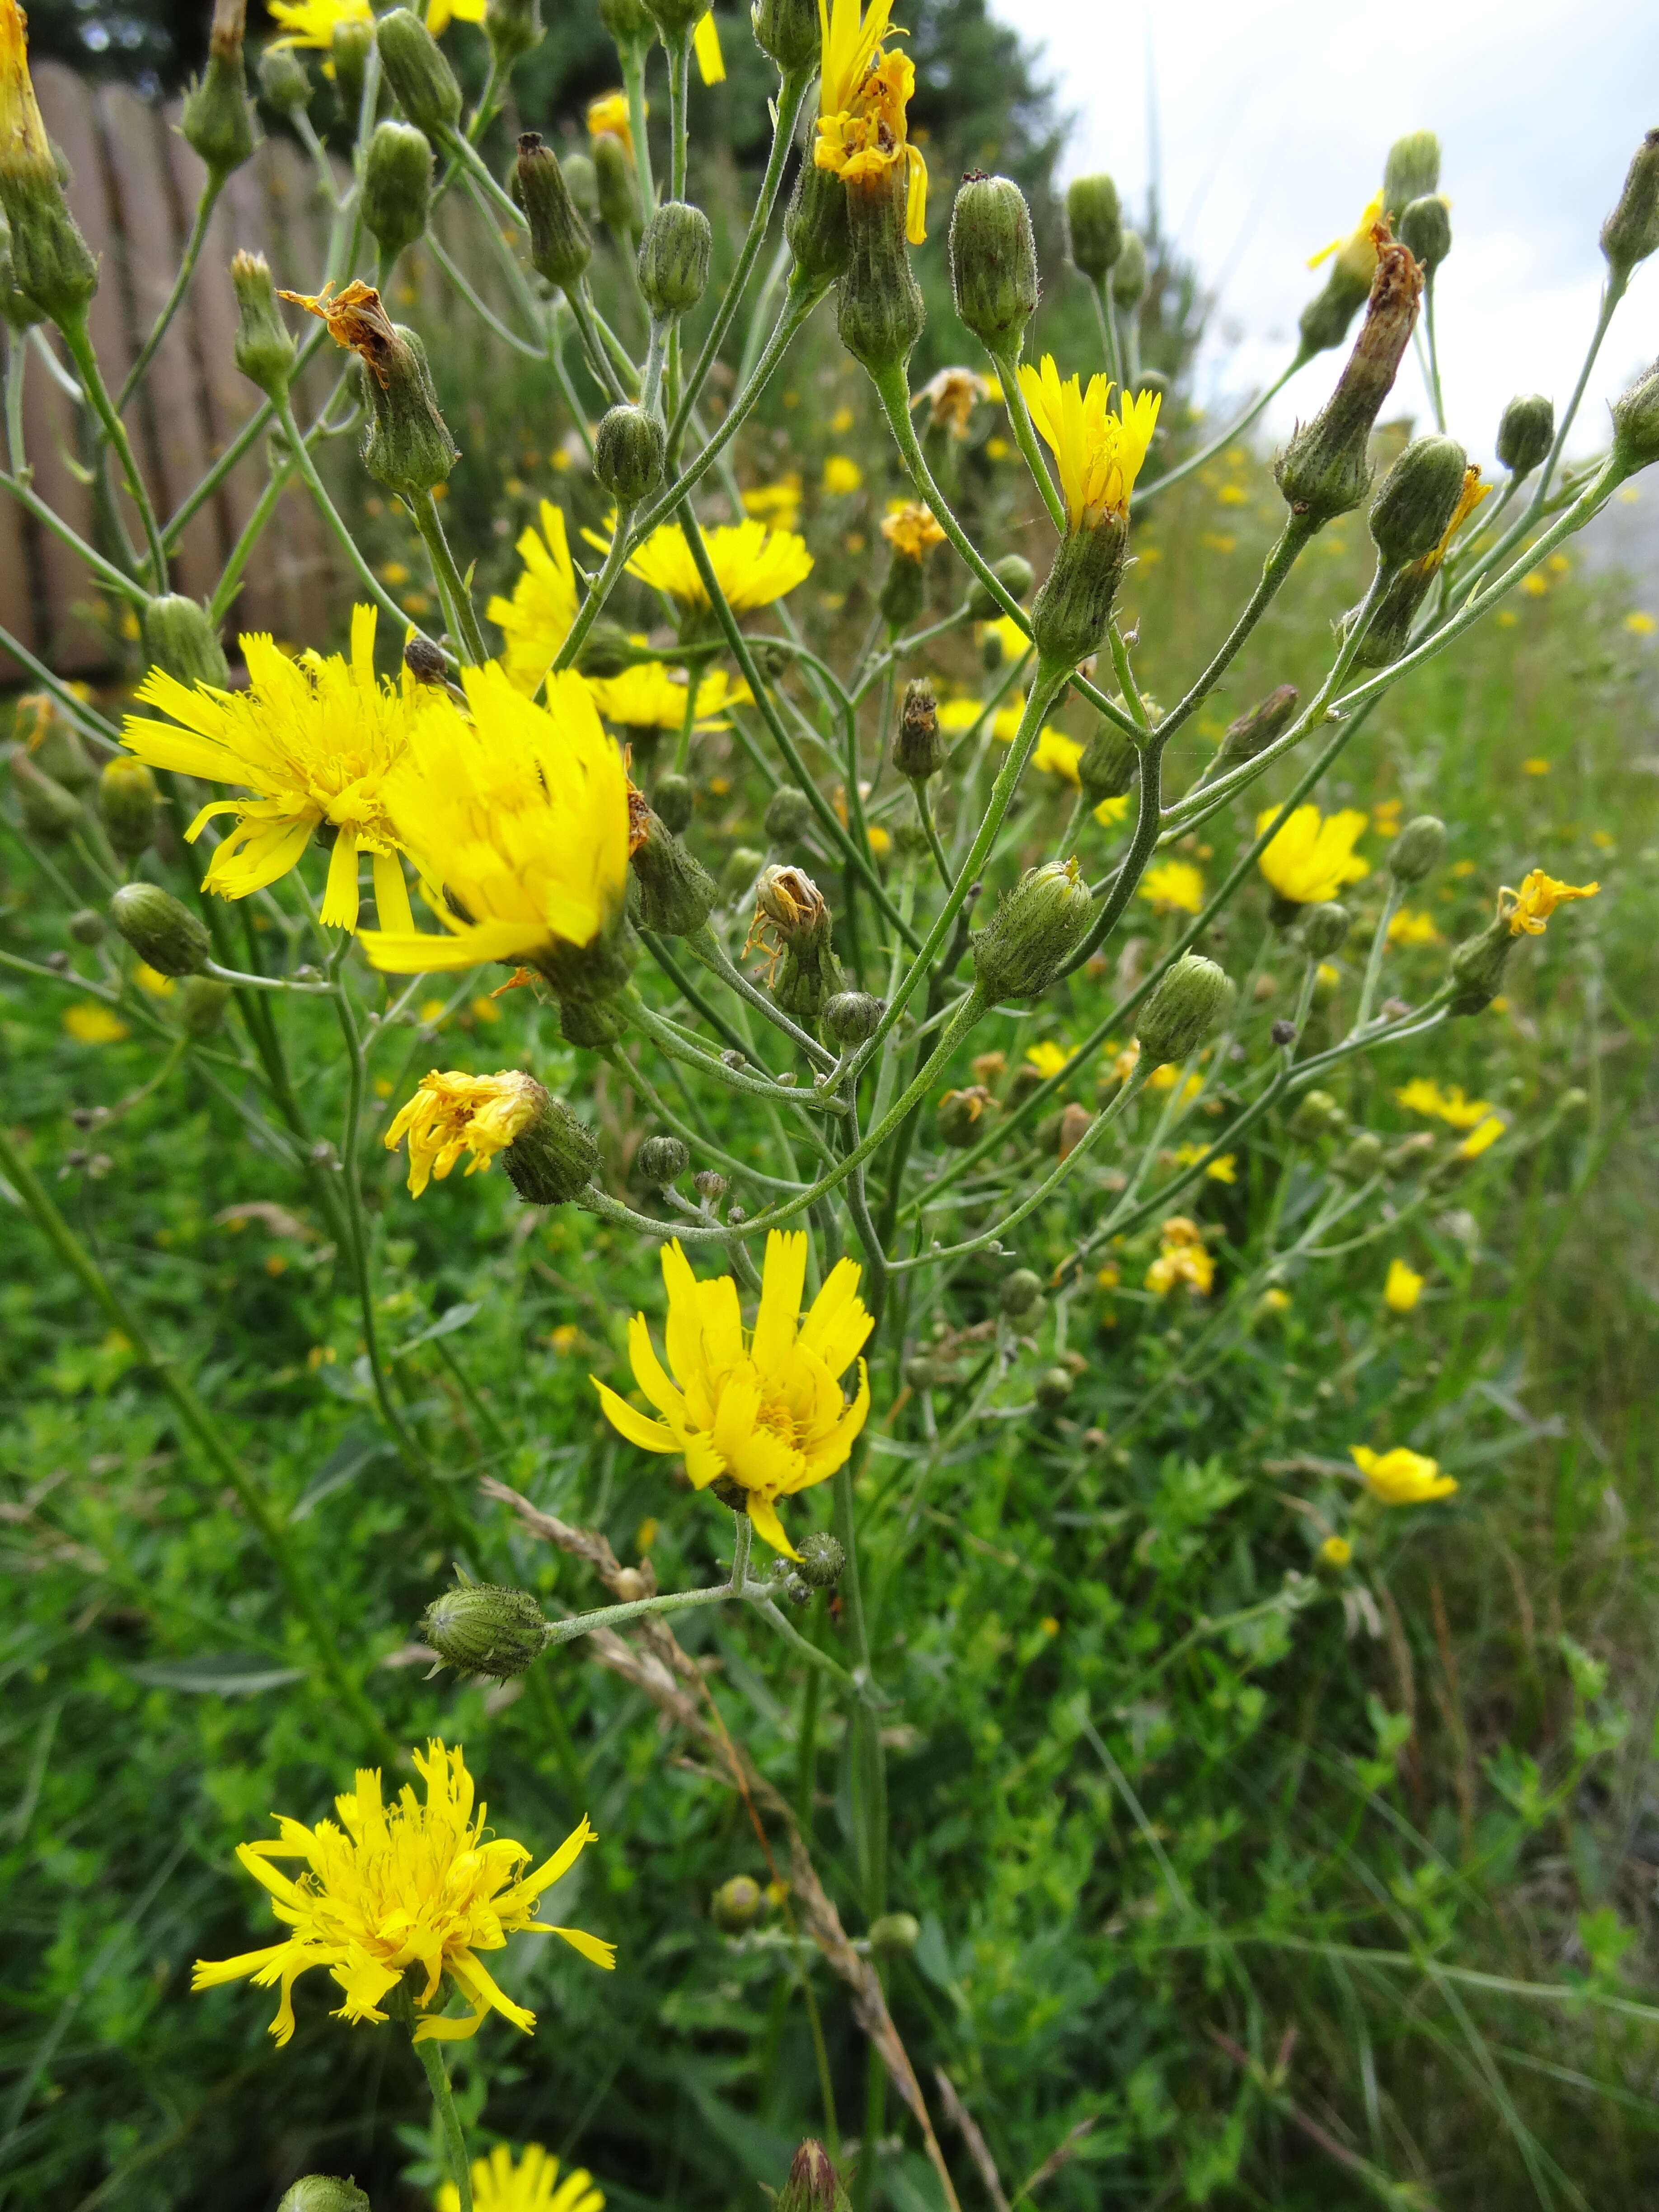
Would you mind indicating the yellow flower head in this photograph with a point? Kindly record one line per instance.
(23, 140)
(1312, 856)
(452, 1114)
(315, 740)
(1356, 254)
(764, 1409)
(1410, 929)
(910, 528)
(313, 23)
(88, 1021)
(440, 14)
(536, 621)
(863, 94)
(841, 475)
(1423, 1095)
(1403, 1288)
(1182, 1259)
(610, 114)
(530, 2185)
(1401, 1477)
(517, 822)
(1098, 454)
(752, 565)
(776, 504)
(1058, 754)
(950, 396)
(1481, 1138)
(399, 1887)
(1049, 1058)
(1336, 1551)
(647, 697)
(1536, 901)
(1174, 887)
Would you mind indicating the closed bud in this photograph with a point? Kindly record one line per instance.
(348, 51)
(1094, 225)
(737, 1904)
(1253, 731)
(1409, 1154)
(893, 1933)
(582, 183)
(513, 29)
(920, 747)
(53, 741)
(614, 182)
(674, 799)
(1021, 1293)
(1325, 928)
(606, 650)
(1317, 1115)
(958, 1115)
(710, 1185)
(50, 812)
(397, 193)
(1477, 968)
(675, 894)
(1361, 1158)
(201, 1006)
(1054, 1387)
(422, 83)
(127, 800)
(743, 865)
(163, 933)
(216, 120)
(628, 454)
(822, 1559)
(628, 24)
(1028, 939)
(1130, 275)
(1326, 320)
(994, 271)
(324, 2192)
(1324, 473)
(674, 17)
(594, 1024)
(1418, 850)
(815, 226)
(1110, 763)
(180, 638)
(851, 1017)
(1631, 232)
(284, 83)
(673, 258)
(1186, 1008)
(1417, 499)
(554, 1158)
(902, 593)
(1412, 170)
(661, 1161)
(1526, 432)
(20, 312)
(1426, 230)
(485, 1628)
(52, 265)
(86, 925)
(813, 2185)
(788, 31)
(1071, 612)
(1636, 423)
(1016, 576)
(788, 815)
(264, 350)
(879, 313)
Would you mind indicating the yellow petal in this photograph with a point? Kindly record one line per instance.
(706, 44)
(340, 893)
(391, 908)
(769, 1528)
(650, 1435)
(782, 1285)
(590, 1947)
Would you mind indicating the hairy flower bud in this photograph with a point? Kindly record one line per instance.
(50, 812)
(52, 265)
(180, 638)
(486, 1628)
(675, 894)
(127, 801)
(994, 271)
(1636, 423)
(1325, 321)
(1052, 1388)
(1070, 613)
(1418, 850)
(1477, 968)
(1021, 1293)
(628, 24)
(348, 51)
(216, 120)
(606, 650)
(1035, 929)
(674, 257)
(1526, 431)
(959, 1113)
(788, 31)
(1130, 275)
(422, 83)
(201, 1006)
(593, 1024)
(166, 935)
(628, 453)
(813, 2185)
(903, 592)
(790, 908)
(324, 2192)
(1631, 232)
(674, 798)
(1094, 225)
(674, 17)
(892, 1933)
(513, 29)
(1317, 1115)
(919, 747)
(743, 865)
(264, 350)
(879, 313)
(822, 1559)
(788, 815)
(1325, 927)
(407, 446)
(1255, 731)
(397, 195)
(615, 183)
(554, 1157)
(1412, 170)
(1016, 576)
(1323, 472)
(737, 1904)
(851, 1016)
(86, 925)
(284, 83)
(1110, 763)
(1426, 230)
(661, 1161)
(815, 226)
(1418, 498)
(1184, 1010)
(53, 741)
(1361, 1158)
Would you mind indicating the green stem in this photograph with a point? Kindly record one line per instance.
(451, 585)
(616, 559)
(430, 2054)
(205, 207)
(1292, 540)
(1108, 322)
(16, 361)
(370, 582)
(78, 341)
(677, 44)
(706, 947)
(632, 56)
(1019, 415)
(1379, 946)
(1434, 355)
(224, 592)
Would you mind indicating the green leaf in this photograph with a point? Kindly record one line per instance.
(219, 1674)
(446, 1325)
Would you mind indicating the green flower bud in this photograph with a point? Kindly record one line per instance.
(628, 453)
(614, 180)
(1185, 1009)
(407, 446)
(661, 1161)
(485, 1628)
(1094, 225)
(1110, 763)
(675, 894)
(1325, 928)
(216, 120)
(674, 799)
(813, 2185)
(1071, 612)
(628, 24)
(957, 1117)
(127, 800)
(1526, 432)
(397, 188)
(1317, 1115)
(1418, 499)
(606, 651)
(851, 1016)
(513, 29)
(581, 181)
(1477, 968)
(1409, 1154)
(86, 925)
(788, 815)
(921, 748)
(1027, 941)
(53, 742)
(422, 83)
(1323, 472)
(737, 1904)
(1023, 1082)
(822, 1559)
(1054, 1387)
(1412, 170)
(180, 638)
(284, 82)
(994, 271)
(21, 313)
(743, 865)
(555, 1158)
(593, 1024)
(1631, 232)
(1253, 731)
(674, 256)
(815, 226)
(674, 17)
(1325, 320)
(324, 2192)
(1636, 423)
(264, 350)
(893, 1933)
(49, 813)
(1016, 576)
(1425, 228)
(788, 31)
(879, 313)
(349, 52)
(1021, 1293)
(902, 593)
(201, 1006)
(1418, 850)
(52, 265)
(164, 934)
(1361, 1158)
(1130, 275)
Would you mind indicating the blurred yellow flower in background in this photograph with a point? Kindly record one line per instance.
(1311, 856)
(536, 621)
(1174, 887)
(1403, 1288)
(1401, 1477)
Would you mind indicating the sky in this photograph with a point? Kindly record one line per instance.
(1271, 124)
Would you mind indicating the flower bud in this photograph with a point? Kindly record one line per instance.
(813, 2185)
(1021, 1293)
(21, 313)
(788, 815)
(1477, 968)
(324, 2192)
(53, 741)
(628, 453)
(485, 1628)
(513, 29)
(348, 55)
(201, 1006)
(788, 31)
(606, 650)
(879, 313)
(594, 1024)
(630, 25)
(284, 83)
(743, 865)
(822, 1559)
(1094, 225)
(50, 812)
(164, 934)
(994, 271)
(851, 1016)
(616, 186)
(52, 265)
(1253, 731)
(180, 638)
(1035, 926)
(555, 1159)
(1071, 612)
(1325, 928)
(1323, 472)
(674, 17)
(1016, 576)
(710, 1185)
(86, 925)
(1052, 1388)
(737, 1904)
(407, 446)
(1418, 850)
(582, 182)
(264, 350)
(1185, 1009)
(1110, 763)
(815, 226)
(1317, 1115)
(397, 188)
(673, 258)
(216, 120)
(959, 1113)
(674, 799)
(1361, 1158)
(1325, 320)
(1631, 232)
(423, 82)
(920, 747)
(1130, 275)
(126, 804)
(1426, 230)
(903, 592)
(790, 906)
(1409, 1154)
(1417, 499)
(1412, 170)
(674, 893)
(893, 1933)
(1636, 423)
(1526, 432)
(661, 1161)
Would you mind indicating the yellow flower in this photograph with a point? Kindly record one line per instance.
(1385, 818)
(647, 697)
(880, 842)
(440, 14)
(1336, 1551)
(956, 715)
(1174, 887)
(1356, 254)
(313, 23)
(1536, 766)
(763, 1410)
(1422, 1095)
(777, 503)
(1536, 901)
(517, 822)
(1223, 1169)
(1403, 1288)
(1163, 1078)
(863, 94)
(499, 2185)
(316, 739)
(452, 1114)
(1182, 1259)
(1311, 857)
(1481, 1139)
(1058, 754)
(90, 1021)
(151, 980)
(1097, 454)
(910, 528)
(1640, 624)
(950, 396)
(402, 1886)
(1049, 1058)
(23, 138)
(610, 114)
(841, 475)
(1401, 1477)
(1111, 810)
(1010, 636)
(706, 46)
(752, 565)
(537, 619)
(1409, 929)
